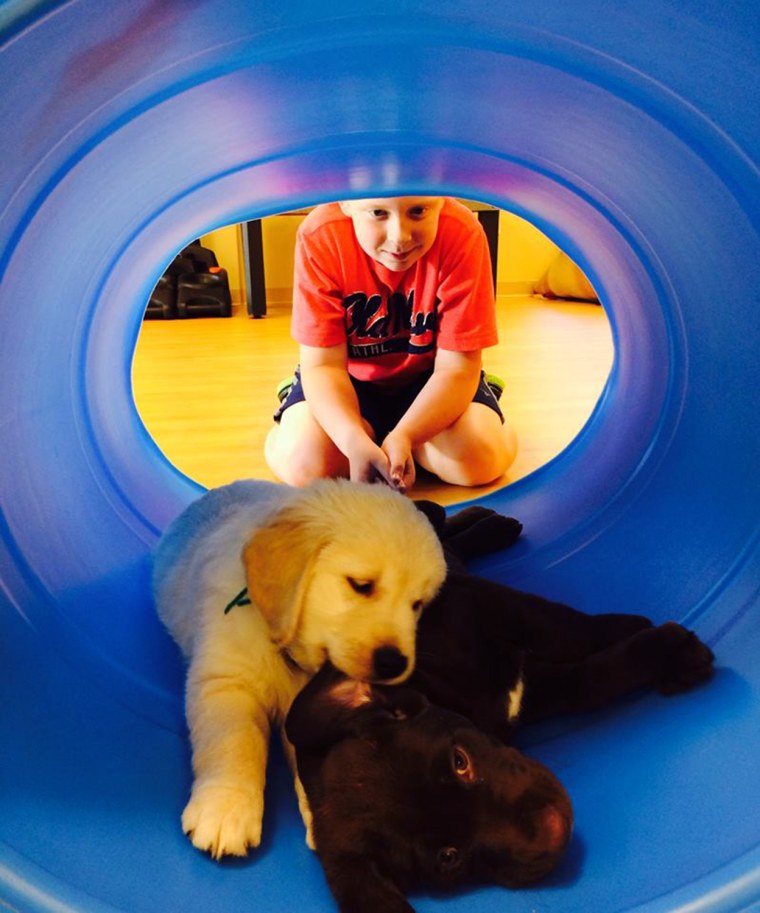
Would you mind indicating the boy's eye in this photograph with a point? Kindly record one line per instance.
(417, 212)
(377, 213)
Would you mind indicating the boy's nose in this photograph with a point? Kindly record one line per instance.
(399, 232)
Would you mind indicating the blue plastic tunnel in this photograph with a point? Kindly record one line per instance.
(630, 134)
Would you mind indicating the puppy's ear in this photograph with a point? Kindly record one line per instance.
(399, 702)
(324, 710)
(279, 559)
(359, 887)
(331, 707)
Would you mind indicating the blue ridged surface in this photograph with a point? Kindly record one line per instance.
(630, 135)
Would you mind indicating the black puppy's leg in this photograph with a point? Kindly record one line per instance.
(471, 532)
(612, 627)
(571, 634)
(359, 887)
(435, 513)
(549, 629)
(477, 531)
(687, 663)
(668, 658)
(466, 518)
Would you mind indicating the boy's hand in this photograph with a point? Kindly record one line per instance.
(368, 463)
(401, 471)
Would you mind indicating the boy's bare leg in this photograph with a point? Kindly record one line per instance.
(475, 450)
(298, 451)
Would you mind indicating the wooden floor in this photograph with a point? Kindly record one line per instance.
(205, 388)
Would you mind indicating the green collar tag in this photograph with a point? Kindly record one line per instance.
(240, 599)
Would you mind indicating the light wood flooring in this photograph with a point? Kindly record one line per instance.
(205, 387)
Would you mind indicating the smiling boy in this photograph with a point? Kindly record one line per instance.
(393, 304)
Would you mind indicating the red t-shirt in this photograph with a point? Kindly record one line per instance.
(393, 322)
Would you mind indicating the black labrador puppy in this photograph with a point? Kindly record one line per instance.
(415, 785)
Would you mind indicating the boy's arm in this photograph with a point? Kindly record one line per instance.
(334, 404)
(442, 400)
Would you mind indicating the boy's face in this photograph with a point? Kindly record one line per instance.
(395, 231)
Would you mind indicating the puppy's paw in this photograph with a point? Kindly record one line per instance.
(500, 532)
(223, 820)
(477, 531)
(687, 661)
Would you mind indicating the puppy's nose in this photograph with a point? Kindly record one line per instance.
(389, 662)
(556, 828)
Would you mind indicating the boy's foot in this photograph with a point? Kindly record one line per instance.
(496, 384)
(284, 386)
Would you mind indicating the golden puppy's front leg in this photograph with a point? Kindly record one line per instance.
(229, 731)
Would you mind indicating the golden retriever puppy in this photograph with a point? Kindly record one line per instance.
(259, 584)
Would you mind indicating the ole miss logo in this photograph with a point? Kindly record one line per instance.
(377, 325)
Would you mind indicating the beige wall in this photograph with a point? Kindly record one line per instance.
(279, 239)
(524, 254)
(227, 244)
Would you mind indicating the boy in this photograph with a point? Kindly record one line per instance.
(393, 303)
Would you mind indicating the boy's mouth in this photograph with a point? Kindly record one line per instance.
(400, 255)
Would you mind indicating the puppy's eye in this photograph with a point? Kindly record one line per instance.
(363, 587)
(462, 765)
(447, 858)
(418, 606)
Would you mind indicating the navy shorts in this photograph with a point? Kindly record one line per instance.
(383, 408)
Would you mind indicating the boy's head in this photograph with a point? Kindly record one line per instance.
(395, 231)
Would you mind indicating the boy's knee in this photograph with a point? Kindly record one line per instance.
(509, 439)
(300, 472)
(480, 468)
(493, 456)
(481, 461)
(297, 463)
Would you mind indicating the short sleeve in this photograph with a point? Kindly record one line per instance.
(318, 315)
(467, 307)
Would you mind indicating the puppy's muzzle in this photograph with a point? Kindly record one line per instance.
(388, 663)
